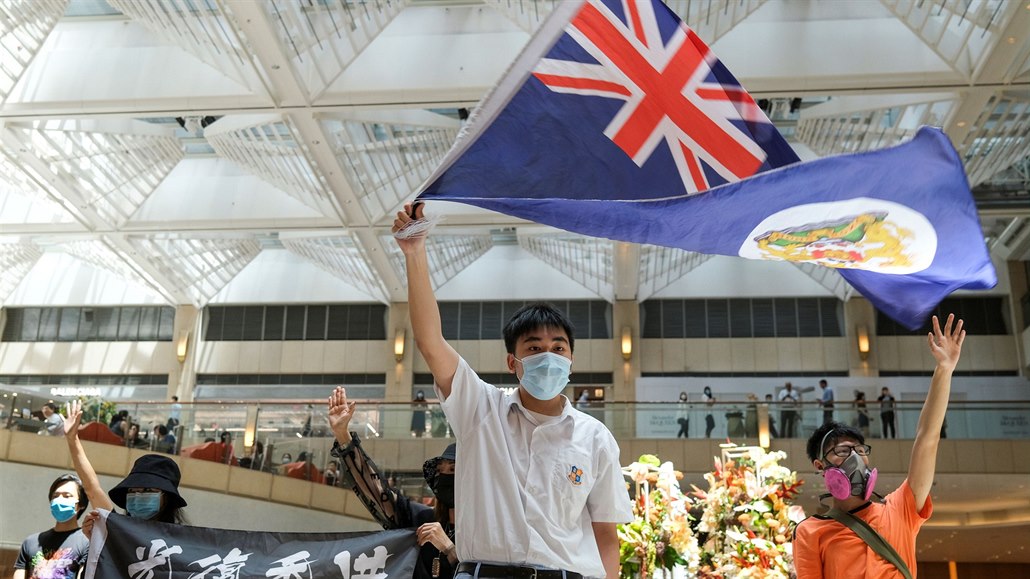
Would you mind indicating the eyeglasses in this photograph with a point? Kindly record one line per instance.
(845, 450)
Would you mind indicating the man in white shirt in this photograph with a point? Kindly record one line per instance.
(789, 411)
(540, 482)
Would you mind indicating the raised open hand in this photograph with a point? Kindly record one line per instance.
(74, 418)
(946, 344)
(340, 414)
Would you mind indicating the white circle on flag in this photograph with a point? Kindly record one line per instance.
(859, 233)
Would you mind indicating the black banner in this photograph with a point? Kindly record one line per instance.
(127, 548)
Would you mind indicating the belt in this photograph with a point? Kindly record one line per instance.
(513, 571)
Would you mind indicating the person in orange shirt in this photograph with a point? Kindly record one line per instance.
(824, 547)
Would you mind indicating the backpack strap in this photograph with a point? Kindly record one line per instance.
(872, 538)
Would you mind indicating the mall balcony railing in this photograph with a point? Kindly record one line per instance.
(294, 438)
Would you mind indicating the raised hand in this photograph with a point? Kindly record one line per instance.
(74, 419)
(946, 345)
(404, 218)
(340, 414)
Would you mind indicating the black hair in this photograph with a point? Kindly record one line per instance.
(51, 406)
(832, 432)
(162, 430)
(171, 515)
(66, 478)
(531, 317)
(175, 398)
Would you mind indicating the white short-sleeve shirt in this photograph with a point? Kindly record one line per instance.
(527, 490)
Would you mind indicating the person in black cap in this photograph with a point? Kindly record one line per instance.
(435, 527)
(150, 490)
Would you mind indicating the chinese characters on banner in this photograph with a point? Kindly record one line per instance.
(122, 547)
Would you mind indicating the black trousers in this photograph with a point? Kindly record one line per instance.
(887, 418)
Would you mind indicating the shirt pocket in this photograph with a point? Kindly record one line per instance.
(573, 478)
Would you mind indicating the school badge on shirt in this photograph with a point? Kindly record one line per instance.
(575, 475)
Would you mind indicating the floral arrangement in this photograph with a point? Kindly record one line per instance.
(740, 527)
(746, 523)
(660, 535)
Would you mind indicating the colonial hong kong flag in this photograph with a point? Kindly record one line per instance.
(616, 116)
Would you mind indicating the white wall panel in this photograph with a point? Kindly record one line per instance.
(86, 357)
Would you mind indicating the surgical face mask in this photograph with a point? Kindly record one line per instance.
(851, 479)
(443, 488)
(63, 509)
(143, 505)
(545, 375)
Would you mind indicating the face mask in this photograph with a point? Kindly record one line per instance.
(143, 505)
(851, 479)
(63, 509)
(443, 488)
(545, 375)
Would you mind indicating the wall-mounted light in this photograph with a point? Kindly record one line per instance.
(627, 343)
(763, 425)
(863, 342)
(182, 346)
(398, 345)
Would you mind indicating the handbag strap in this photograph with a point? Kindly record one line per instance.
(872, 538)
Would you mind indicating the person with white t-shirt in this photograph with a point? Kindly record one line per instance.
(541, 484)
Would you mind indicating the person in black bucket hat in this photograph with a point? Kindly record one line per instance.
(150, 490)
(435, 526)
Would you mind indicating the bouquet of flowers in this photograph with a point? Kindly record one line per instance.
(660, 535)
(746, 520)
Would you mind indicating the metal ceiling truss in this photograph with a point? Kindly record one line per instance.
(710, 19)
(829, 278)
(865, 130)
(199, 27)
(585, 260)
(343, 257)
(100, 255)
(322, 38)
(14, 181)
(660, 267)
(713, 18)
(527, 14)
(112, 173)
(197, 267)
(448, 255)
(961, 32)
(266, 146)
(16, 260)
(386, 162)
(999, 138)
(24, 27)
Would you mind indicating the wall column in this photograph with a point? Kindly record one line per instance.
(860, 313)
(399, 375)
(182, 379)
(1018, 287)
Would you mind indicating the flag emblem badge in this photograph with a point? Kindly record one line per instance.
(861, 233)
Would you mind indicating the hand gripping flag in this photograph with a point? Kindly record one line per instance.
(616, 116)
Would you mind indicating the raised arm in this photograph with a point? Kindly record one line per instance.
(945, 346)
(422, 307)
(359, 472)
(90, 481)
